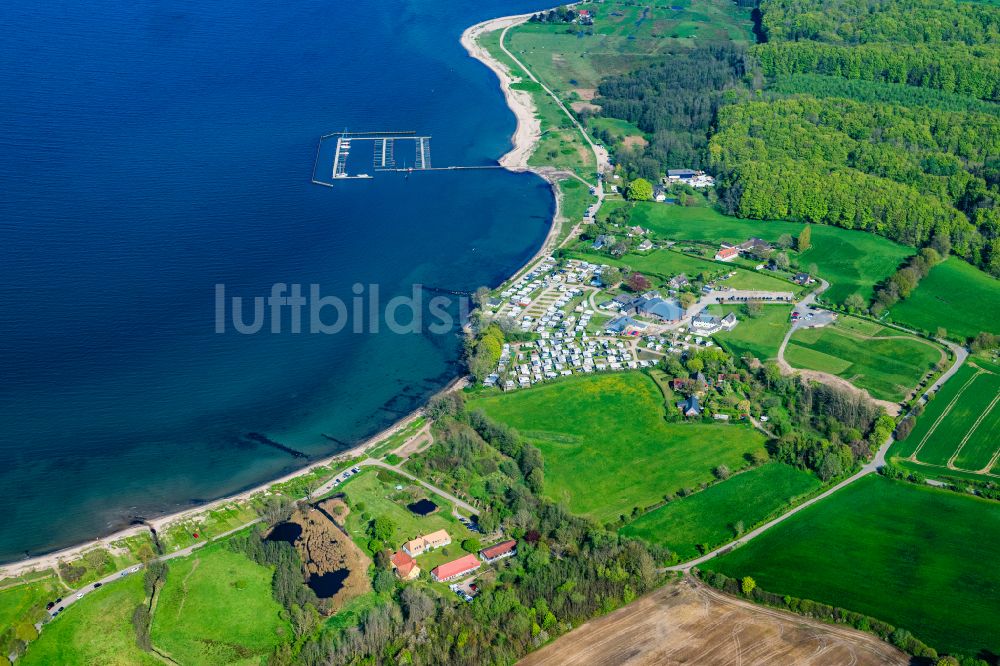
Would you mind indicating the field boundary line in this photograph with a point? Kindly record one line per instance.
(971, 431)
(947, 410)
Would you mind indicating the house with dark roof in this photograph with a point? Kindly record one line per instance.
(678, 281)
(803, 279)
(657, 308)
(604, 240)
(680, 174)
(690, 407)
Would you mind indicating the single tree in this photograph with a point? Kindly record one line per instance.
(639, 189)
(747, 585)
(804, 241)
(638, 282)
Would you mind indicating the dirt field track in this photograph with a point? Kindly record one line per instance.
(688, 623)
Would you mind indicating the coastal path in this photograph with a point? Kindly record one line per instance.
(600, 152)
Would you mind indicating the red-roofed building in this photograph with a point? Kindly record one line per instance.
(727, 253)
(499, 551)
(405, 566)
(460, 567)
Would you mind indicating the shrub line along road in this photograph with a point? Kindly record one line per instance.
(877, 461)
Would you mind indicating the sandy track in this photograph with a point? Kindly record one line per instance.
(690, 623)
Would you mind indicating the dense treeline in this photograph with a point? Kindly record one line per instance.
(866, 21)
(567, 569)
(907, 174)
(821, 86)
(974, 72)
(674, 103)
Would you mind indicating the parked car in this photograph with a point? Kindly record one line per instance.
(97, 585)
(50, 605)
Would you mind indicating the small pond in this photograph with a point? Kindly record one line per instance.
(289, 532)
(328, 584)
(422, 507)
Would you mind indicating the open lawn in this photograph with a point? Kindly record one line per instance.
(624, 35)
(712, 515)
(852, 261)
(24, 604)
(959, 430)
(217, 608)
(885, 362)
(373, 494)
(955, 295)
(607, 447)
(96, 630)
(914, 556)
(760, 336)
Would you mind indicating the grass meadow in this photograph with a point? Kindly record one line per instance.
(759, 336)
(711, 516)
(607, 447)
(914, 556)
(886, 363)
(95, 631)
(21, 603)
(217, 608)
(956, 296)
(852, 261)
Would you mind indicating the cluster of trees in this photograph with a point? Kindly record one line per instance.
(483, 349)
(561, 14)
(866, 21)
(567, 570)
(900, 285)
(899, 637)
(973, 72)
(907, 174)
(674, 103)
(859, 90)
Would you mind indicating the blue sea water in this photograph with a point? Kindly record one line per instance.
(151, 150)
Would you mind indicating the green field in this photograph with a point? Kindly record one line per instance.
(23, 604)
(217, 608)
(961, 426)
(852, 261)
(711, 516)
(607, 447)
(885, 362)
(914, 556)
(97, 630)
(955, 295)
(368, 494)
(625, 35)
(760, 336)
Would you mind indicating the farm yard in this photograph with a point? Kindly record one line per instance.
(959, 430)
(607, 447)
(887, 363)
(682, 623)
(721, 512)
(955, 296)
(851, 261)
(759, 336)
(374, 493)
(910, 555)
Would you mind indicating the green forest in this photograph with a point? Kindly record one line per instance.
(878, 115)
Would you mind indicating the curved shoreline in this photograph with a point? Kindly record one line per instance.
(524, 140)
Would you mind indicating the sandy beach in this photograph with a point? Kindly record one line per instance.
(524, 140)
(529, 128)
